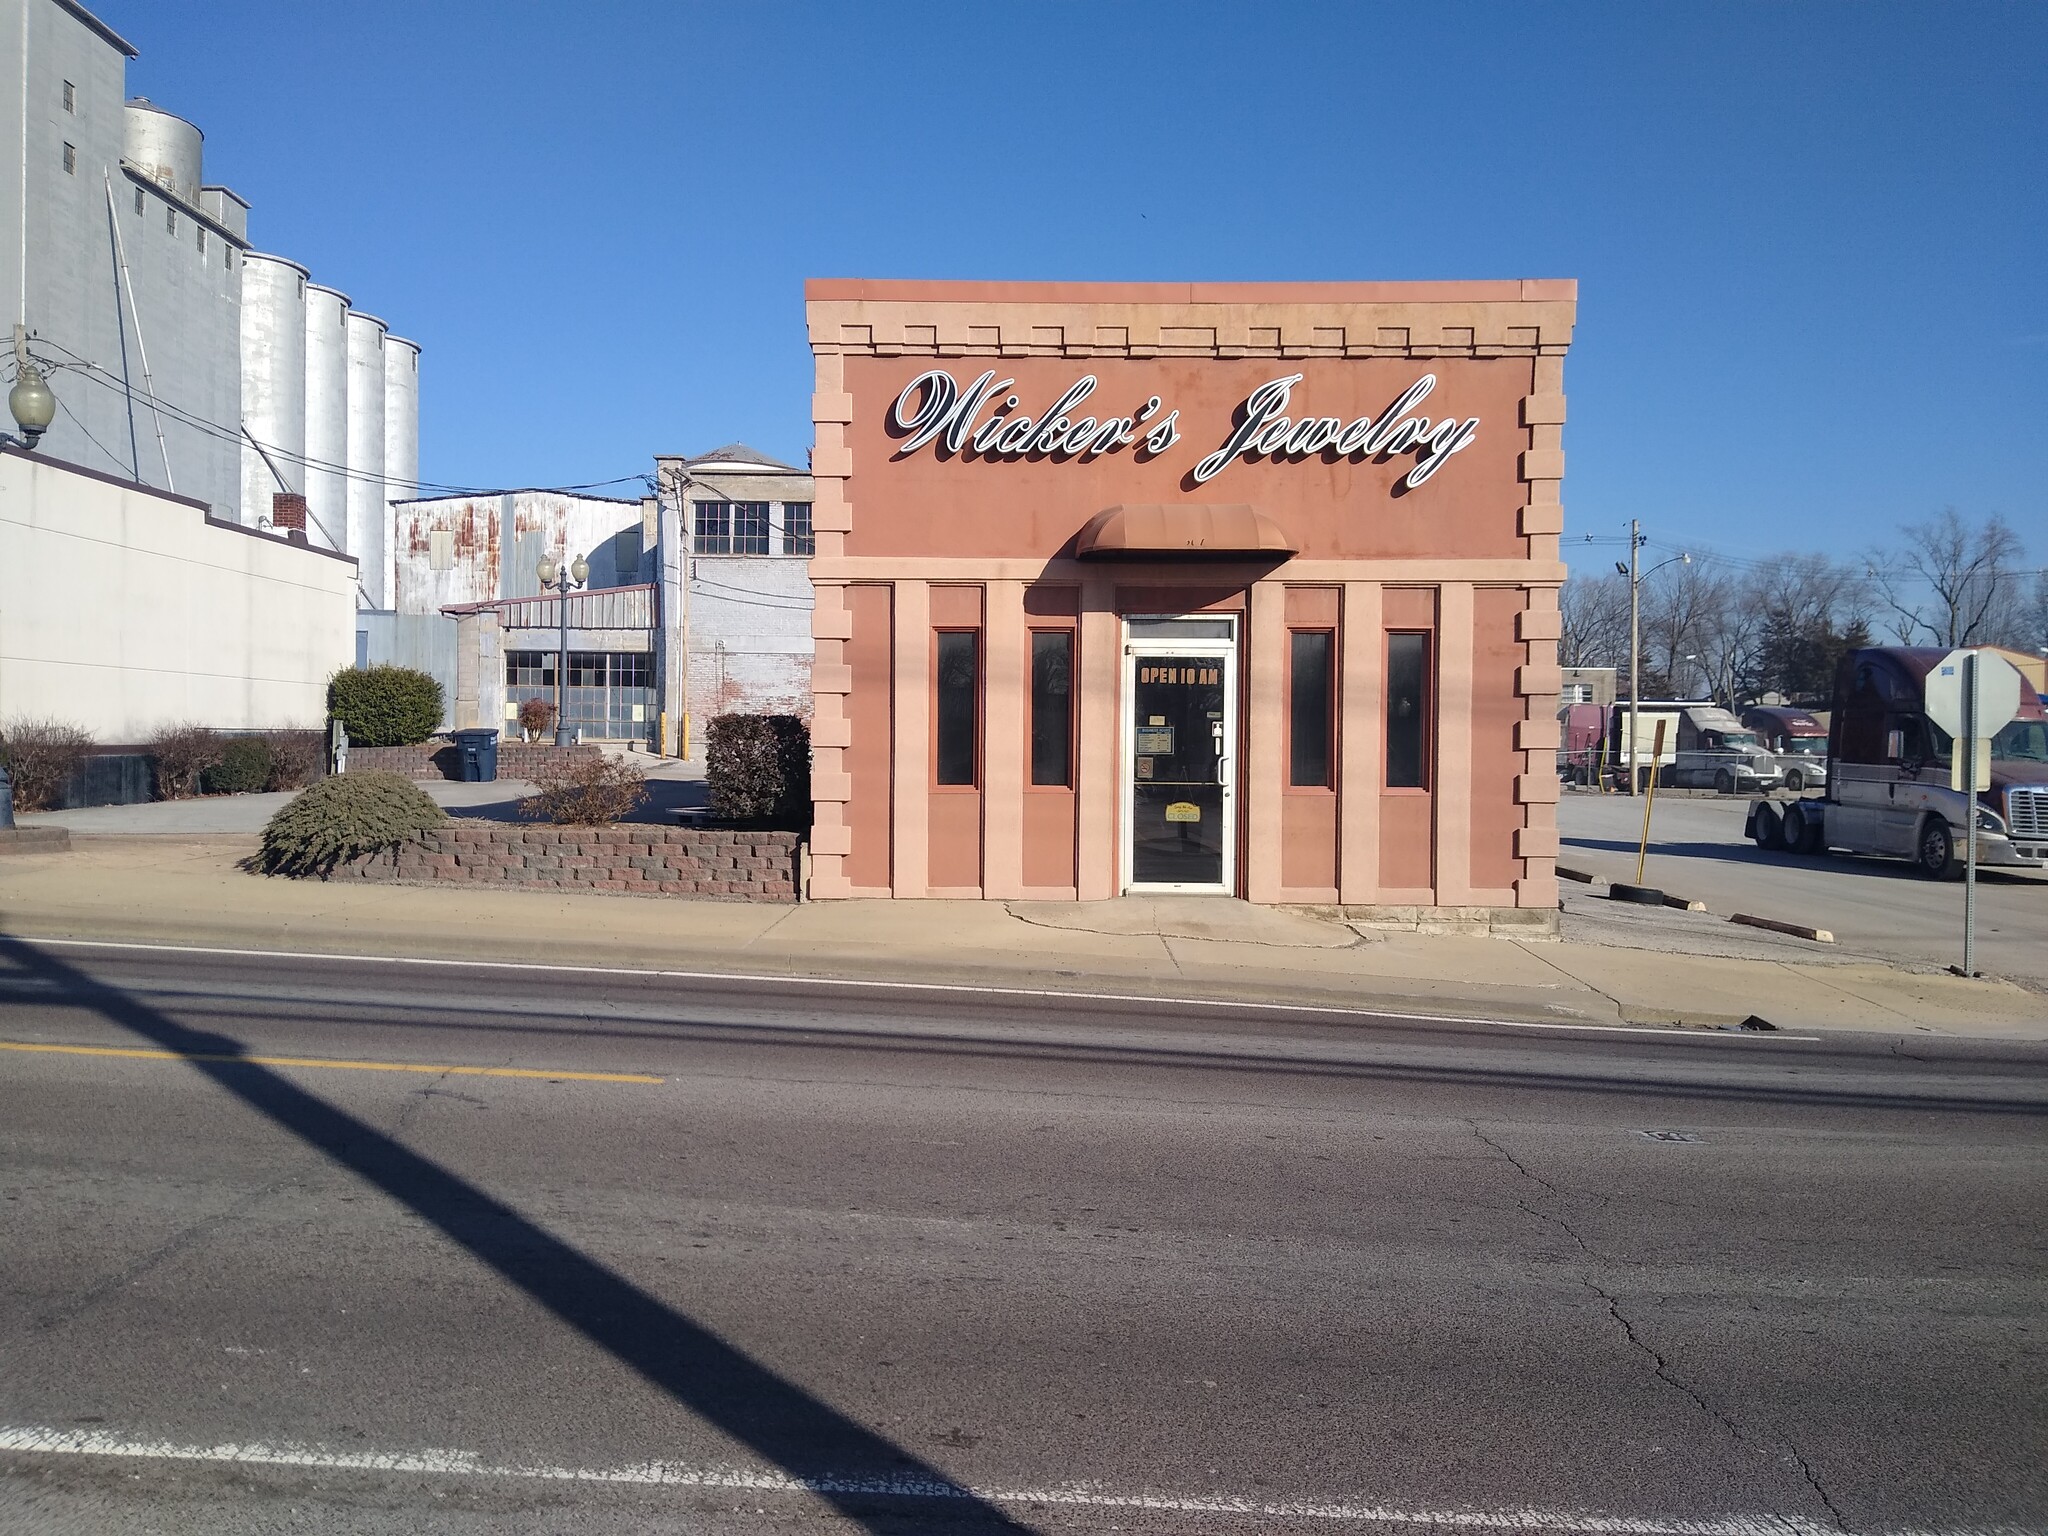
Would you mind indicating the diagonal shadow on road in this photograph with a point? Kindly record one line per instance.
(861, 1474)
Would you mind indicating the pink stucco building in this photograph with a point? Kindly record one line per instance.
(1241, 588)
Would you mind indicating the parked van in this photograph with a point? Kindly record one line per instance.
(1797, 740)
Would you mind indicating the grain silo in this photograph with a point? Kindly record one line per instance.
(327, 418)
(401, 452)
(273, 381)
(366, 509)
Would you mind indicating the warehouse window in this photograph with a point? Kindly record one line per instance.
(1310, 701)
(70, 158)
(750, 527)
(1052, 707)
(796, 529)
(1407, 711)
(958, 716)
(712, 528)
(138, 199)
(170, 221)
(70, 97)
(202, 239)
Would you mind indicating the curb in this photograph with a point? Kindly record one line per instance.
(1796, 930)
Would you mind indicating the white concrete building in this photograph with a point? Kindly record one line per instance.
(124, 608)
(745, 521)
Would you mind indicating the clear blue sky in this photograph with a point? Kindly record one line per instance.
(1809, 238)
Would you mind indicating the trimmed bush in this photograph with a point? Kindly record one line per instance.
(297, 758)
(758, 768)
(385, 706)
(41, 755)
(536, 718)
(182, 754)
(585, 792)
(243, 768)
(341, 817)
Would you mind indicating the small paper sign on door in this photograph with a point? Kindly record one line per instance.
(1155, 740)
(1183, 810)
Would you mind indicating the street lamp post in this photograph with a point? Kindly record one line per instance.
(562, 580)
(1635, 636)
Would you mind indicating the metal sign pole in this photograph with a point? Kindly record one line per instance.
(1969, 744)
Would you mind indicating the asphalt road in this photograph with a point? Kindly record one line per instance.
(1876, 906)
(796, 1258)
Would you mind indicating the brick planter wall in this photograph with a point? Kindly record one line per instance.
(440, 760)
(629, 860)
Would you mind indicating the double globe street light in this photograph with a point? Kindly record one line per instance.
(562, 580)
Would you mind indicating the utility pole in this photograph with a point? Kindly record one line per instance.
(1635, 648)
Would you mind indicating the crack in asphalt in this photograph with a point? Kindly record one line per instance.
(1813, 1482)
(1659, 1364)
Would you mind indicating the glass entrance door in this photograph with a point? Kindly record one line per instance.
(1180, 739)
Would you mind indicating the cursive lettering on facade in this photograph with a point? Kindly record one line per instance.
(933, 407)
(1263, 429)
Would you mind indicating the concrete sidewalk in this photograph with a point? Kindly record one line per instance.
(1608, 969)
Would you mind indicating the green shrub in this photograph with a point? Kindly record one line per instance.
(342, 817)
(182, 754)
(243, 768)
(385, 706)
(41, 755)
(758, 768)
(585, 791)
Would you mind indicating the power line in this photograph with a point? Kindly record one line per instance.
(105, 377)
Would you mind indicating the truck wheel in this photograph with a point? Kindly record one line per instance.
(1724, 782)
(1766, 826)
(1795, 781)
(1938, 859)
(1800, 833)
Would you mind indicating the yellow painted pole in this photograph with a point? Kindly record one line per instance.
(1656, 752)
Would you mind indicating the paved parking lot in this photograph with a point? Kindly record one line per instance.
(1876, 906)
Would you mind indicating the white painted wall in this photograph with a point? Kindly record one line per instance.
(122, 609)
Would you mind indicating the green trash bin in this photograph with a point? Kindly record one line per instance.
(479, 753)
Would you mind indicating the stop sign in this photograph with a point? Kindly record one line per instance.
(1998, 693)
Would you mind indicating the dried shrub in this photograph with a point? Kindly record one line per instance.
(536, 718)
(297, 758)
(385, 706)
(758, 768)
(585, 792)
(243, 768)
(41, 755)
(182, 754)
(342, 817)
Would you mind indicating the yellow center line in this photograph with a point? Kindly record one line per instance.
(136, 1054)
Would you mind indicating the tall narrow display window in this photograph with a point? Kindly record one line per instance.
(1408, 711)
(957, 708)
(1052, 707)
(1309, 709)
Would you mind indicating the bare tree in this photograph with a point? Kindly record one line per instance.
(1681, 604)
(1972, 591)
(1595, 621)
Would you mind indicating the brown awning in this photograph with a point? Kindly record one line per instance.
(1199, 529)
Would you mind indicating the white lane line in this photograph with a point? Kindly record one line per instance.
(1659, 1029)
(1035, 993)
(32, 1440)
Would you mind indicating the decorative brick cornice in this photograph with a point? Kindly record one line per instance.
(1230, 320)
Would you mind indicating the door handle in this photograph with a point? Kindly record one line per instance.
(1223, 772)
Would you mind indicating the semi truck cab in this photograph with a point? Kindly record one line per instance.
(1888, 788)
(1797, 740)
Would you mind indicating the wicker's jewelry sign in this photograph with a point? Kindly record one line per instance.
(986, 420)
